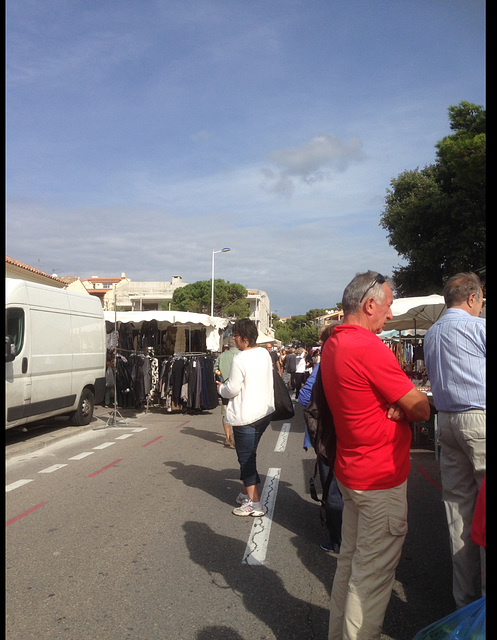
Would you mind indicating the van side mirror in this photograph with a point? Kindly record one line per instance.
(10, 348)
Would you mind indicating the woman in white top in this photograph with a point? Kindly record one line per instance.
(300, 371)
(251, 403)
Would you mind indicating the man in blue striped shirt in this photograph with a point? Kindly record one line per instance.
(455, 356)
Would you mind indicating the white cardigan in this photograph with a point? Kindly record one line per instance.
(249, 387)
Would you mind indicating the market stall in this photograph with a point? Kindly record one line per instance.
(416, 312)
(404, 334)
(164, 358)
(412, 317)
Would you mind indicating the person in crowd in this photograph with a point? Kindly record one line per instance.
(455, 357)
(284, 373)
(223, 365)
(371, 400)
(290, 365)
(110, 381)
(479, 524)
(300, 367)
(334, 502)
(251, 403)
(274, 357)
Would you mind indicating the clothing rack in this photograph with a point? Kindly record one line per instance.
(185, 382)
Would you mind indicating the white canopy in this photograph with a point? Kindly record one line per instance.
(166, 319)
(416, 313)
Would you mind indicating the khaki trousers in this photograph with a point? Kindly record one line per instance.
(374, 527)
(462, 468)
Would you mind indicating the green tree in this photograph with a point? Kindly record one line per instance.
(298, 328)
(435, 216)
(229, 299)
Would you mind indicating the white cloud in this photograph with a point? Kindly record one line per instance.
(314, 161)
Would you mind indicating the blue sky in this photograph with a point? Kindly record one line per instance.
(143, 135)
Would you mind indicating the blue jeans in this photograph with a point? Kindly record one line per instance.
(334, 505)
(246, 440)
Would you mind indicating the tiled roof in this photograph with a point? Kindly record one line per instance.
(21, 265)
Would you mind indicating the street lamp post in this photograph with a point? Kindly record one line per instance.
(212, 276)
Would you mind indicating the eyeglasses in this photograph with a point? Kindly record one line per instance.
(378, 280)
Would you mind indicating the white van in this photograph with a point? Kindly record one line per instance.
(55, 353)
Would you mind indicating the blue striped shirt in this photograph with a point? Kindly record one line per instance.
(455, 358)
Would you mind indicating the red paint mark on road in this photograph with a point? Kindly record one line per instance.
(152, 441)
(182, 425)
(429, 478)
(26, 513)
(105, 468)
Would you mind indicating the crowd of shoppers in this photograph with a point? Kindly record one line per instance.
(372, 401)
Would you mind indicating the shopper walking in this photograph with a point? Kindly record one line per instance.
(251, 403)
(223, 364)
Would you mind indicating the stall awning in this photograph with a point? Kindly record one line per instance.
(415, 313)
(166, 319)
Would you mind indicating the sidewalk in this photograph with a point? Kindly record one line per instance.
(33, 437)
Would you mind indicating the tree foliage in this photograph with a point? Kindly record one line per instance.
(435, 216)
(297, 329)
(229, 299)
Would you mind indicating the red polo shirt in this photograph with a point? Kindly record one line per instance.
(361, 377)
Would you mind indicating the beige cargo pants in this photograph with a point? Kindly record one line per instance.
(374, 527)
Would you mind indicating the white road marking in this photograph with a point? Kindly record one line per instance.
(15, 485)
(283, 437)
(104, 445)
(53, 468)
(80, 456)
(255, 552)
(126, 435)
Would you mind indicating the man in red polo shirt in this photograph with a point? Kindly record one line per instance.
(372, 402)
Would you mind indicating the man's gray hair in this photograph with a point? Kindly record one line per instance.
(363, 286)
(458, 288)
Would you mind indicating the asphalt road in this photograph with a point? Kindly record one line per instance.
(123, 530)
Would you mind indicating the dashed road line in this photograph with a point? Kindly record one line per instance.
(53, 468)
(104, 445)
(283, 437)
(152, 441)
(15, 485)
(80, 456)
(92, 475)
(26, 513)
(255, 552)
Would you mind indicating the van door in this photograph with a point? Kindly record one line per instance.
(17, 372)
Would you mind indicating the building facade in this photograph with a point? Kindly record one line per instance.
(127, 295)
(333, 318)
(260, 312)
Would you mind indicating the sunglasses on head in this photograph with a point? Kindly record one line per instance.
(378, 280)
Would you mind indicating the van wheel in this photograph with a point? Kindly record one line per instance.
(84, 412)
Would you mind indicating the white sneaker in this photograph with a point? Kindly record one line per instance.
(248, 509)
(241, 497)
